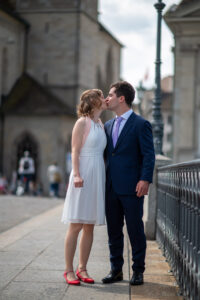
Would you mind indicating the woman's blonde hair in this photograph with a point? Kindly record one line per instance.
(90, 99)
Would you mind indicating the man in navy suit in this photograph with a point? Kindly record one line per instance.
(130, 162)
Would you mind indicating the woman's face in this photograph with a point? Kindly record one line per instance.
(103, 100)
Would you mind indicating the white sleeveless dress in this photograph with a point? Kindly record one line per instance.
(87, 204)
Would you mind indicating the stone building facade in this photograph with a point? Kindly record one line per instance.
(12, 50)
(50, 52)
(184, 22)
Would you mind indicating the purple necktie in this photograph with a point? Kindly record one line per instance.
(115, 132)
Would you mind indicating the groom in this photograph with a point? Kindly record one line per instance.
(129, 169)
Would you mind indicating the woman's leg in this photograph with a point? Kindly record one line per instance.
(70, 247)
(85, 247)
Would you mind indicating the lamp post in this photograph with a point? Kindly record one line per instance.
(157, 122)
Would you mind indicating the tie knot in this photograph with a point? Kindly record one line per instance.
(119, 119)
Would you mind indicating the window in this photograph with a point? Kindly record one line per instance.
(4, 71)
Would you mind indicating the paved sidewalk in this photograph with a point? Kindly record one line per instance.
(32, 263)
(15, 210)
(159, 284)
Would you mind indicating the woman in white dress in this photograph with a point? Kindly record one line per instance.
(85, 200)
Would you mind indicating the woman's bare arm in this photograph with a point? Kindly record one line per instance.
(77, 137)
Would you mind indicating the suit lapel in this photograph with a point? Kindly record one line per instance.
(127, 126)
(110, 132)
(110, 128)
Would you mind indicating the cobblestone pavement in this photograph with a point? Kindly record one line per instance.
(14, 210)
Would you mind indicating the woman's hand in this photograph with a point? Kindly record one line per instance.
(78, 181)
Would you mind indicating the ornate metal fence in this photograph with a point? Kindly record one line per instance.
(178, 223)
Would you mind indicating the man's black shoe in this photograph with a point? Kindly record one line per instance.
(113, 276)
(137, 278)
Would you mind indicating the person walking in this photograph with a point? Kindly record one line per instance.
(3, 184)
(130, 161)
(85, 199)
(54, 176)
(26, 170)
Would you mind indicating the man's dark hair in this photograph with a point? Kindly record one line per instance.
(123, 88)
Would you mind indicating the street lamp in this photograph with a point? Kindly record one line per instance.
(140, 92)
(157, 122)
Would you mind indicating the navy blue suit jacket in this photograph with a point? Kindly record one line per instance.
(133, 157)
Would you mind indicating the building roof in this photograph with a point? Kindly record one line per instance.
(187, 1)
(184, 8)
(28, 97)
(9, 8)
(7, 5)
(187, 12)
(102, 28)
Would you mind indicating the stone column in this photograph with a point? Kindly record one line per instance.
(150, 202)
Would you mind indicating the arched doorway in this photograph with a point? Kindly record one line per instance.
(26, 142)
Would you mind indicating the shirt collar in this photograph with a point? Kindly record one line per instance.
(126, 115)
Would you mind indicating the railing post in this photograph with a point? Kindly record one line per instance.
(150, 204)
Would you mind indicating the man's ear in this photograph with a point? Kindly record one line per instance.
(121, 99)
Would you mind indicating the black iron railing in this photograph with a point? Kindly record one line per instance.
(178, 223)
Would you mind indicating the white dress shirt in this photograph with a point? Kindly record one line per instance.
(125, 117)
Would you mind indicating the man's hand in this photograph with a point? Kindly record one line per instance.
(78, 181)
(142, 188)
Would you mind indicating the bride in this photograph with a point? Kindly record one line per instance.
(85, 200)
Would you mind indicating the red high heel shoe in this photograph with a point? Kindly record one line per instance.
(86, 280)
(73, 282)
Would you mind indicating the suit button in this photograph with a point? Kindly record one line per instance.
(113, 154)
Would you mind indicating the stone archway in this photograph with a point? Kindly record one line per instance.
(27, 142)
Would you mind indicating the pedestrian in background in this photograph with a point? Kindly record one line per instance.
(26, 170)
(54, 176)
(3, 185)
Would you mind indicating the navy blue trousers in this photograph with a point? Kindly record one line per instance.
(130, 208)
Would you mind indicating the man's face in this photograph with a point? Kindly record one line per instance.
(112, 100)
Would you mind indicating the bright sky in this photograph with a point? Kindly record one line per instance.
(133, 23)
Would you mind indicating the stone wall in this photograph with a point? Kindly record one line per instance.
(184, 22)
(186, 101)
(89, 6)
(66, 50)
(52, 52)
(12, 34)
(52, 135)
